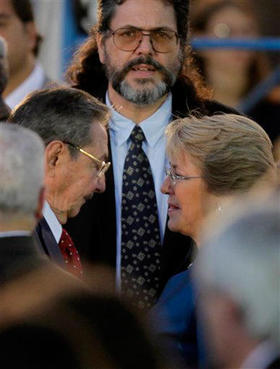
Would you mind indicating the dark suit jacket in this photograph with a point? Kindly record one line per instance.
(94, 229)
(47, 243)
(173, 319)
(18, 255)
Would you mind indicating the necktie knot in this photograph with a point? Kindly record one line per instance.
(137, 135)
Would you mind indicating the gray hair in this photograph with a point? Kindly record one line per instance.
(242, 261)
(65, 114)
(21, 168)
(232, 151)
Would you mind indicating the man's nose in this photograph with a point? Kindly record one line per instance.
(100, 184)
(145, 45)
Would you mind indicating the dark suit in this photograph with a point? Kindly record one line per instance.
(94, 229)
(18, 255)
(47, 243)
(174, 320)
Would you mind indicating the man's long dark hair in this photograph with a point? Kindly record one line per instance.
(86, 71)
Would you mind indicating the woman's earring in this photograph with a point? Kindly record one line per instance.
(219, 209)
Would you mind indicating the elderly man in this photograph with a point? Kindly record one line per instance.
(72, 125)
(237, 273)
(21, 199)
(19, 30)
(135, 60)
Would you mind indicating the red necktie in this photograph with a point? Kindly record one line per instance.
(70, 254)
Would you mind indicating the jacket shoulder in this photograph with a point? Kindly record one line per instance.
(214, 107)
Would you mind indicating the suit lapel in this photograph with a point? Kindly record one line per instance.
(47, 242)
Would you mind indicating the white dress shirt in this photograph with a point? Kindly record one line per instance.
(263, 355)
(34, 81)
(153, 127)
(52, 221)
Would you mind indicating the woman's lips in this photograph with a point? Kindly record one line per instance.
(172, 208)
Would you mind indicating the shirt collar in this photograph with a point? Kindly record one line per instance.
(52, 221)
(261, 356)
(153, 127)
(17, 233)
(34, 81)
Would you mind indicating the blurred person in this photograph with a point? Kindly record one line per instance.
(136, 60)
(213, 160)
(79, 329)
(21, 199)
(72, 125)
(19, 30)
(232, 74)
(4, 109)
(237, 275)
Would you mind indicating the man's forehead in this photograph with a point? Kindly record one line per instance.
(98, 135)
(144, 14)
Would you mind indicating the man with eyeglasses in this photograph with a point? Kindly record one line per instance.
(72, 125)
(136, 60)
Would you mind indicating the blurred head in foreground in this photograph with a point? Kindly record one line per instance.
(21, 180)
(237, 273)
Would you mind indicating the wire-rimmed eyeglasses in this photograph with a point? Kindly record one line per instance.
(102, 165)
(163, 40)
(176, 177)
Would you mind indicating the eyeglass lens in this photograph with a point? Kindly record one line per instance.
(128, 39)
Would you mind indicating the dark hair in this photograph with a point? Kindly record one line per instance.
(64, 114)
(86, 66)
(199, 22)
(24, 11)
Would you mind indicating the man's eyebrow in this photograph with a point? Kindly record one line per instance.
(166, 28)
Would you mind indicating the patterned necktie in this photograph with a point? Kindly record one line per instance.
(70, 254)
(140, 244)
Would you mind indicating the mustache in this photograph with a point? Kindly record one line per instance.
(119, 76)
(143, 60)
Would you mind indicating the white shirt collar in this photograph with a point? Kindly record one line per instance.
(261, 356)
(17, 233)
(52, 221)
(33, 82)
(153, 127)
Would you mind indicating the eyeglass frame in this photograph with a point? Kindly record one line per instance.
(144, 33)
(104, 166)
(176, 177)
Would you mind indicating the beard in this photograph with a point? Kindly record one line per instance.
(149, 91)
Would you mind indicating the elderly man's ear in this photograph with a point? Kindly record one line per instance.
(54, 155)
